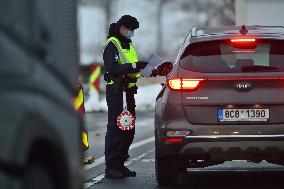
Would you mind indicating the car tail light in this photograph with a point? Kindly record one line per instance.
(244, 43)
(174, 140)
(184, 84)
(242, 40)
(175, 84)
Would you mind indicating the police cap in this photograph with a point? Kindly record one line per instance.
(129, 22)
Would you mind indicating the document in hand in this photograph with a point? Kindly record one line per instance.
(153, 62)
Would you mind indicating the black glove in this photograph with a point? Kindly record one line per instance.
(141, 64)
(154, 73)
(162, 70)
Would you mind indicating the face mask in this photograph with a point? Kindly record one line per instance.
(129, 34)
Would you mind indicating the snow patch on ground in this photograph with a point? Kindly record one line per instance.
(145, 100)
(146, 97)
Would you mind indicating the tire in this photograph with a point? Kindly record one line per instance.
(166, 172)
(36, 177)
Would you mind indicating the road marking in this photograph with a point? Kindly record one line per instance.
(101, 160)
(142, 142)
(138, 158)
(99, 178)
(148, 160)
(94, 181)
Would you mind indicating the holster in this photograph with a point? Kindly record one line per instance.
(117, 85)
(121, 83)
(132, 90)
(126, 79)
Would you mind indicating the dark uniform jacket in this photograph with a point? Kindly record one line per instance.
(111, 57)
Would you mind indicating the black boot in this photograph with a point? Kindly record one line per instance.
(114, 173)
(127, 172)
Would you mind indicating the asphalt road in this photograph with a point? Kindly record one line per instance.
(230, 175)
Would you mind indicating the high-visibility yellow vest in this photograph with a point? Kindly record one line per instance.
(126, 56)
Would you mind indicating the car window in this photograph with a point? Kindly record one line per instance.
(183, 46)
(223, 56)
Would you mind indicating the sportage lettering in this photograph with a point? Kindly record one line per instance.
(197, 98)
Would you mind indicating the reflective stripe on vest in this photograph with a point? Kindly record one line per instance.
(126, 56)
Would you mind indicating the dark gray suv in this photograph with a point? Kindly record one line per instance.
(222, 101)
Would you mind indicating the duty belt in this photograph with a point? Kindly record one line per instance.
(125, 79)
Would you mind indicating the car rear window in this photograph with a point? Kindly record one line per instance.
(224, 56)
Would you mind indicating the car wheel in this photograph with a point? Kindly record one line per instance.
(166, 172)
(36, 177)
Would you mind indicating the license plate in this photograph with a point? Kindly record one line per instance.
(243, 114)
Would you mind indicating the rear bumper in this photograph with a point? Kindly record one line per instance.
(228, 138)
(225, 147)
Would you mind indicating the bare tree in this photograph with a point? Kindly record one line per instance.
(219, 12)
(227, 13)
(108, 11)
(106, 5)
(160, 8)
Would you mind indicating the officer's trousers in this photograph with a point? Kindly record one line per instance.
(117, 142)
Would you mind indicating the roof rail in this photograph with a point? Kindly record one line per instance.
(269, 26)
(200, 31)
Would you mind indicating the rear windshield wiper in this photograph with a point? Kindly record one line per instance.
(257, 68)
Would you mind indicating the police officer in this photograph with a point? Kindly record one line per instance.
(121, 73)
